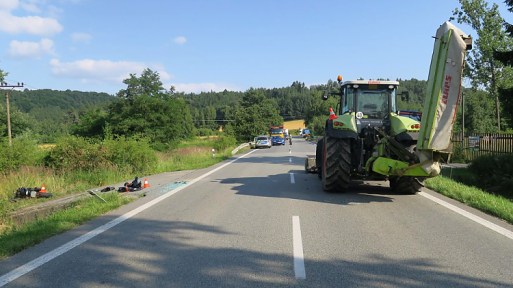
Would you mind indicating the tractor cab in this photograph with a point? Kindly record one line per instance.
(372, 102)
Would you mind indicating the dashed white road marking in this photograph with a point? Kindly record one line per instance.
(290, 160)
(24, 269)
(470, 216)
(299, 259)
(292, 178)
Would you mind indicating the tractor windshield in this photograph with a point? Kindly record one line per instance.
(372, 100)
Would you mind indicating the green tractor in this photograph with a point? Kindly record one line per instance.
(368, 139)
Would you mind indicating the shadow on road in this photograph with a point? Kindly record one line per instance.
(149, 253)
(308, 187)
(287, 159)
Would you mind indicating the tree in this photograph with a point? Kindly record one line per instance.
(20, 122)
(2, 75)
(144, 108)
(506, 58)
(254, 117)
(483, 68)
(148, 85)
(92, 124)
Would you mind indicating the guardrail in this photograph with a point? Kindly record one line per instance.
(240, 147)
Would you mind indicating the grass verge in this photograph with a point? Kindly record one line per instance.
(17, 239)
(495, 205)
(190, 158)
(14, 239)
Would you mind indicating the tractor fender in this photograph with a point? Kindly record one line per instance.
(339, 133)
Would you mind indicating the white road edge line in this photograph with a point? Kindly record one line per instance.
(470, 216)
(299, 259)
(292, 178)
(24, 269)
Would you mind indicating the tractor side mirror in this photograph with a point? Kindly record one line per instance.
(405, 96)
(325, 95)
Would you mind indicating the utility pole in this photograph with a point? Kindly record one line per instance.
(463, 121)
(5, 85)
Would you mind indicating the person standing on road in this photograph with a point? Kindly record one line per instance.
(290, 140)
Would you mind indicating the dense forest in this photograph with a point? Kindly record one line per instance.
(50, 114)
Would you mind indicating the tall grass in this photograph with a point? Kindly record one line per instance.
(59, 183)
(189, 159)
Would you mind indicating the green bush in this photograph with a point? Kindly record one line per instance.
(21, 153)
(223, 142)
(494, 172)
(124, 152)
(76, 153)
(205, 132)
(161, 147)
(458, 155)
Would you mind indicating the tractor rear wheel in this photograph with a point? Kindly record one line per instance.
(336, 166)
(319, 157)
(407, 184)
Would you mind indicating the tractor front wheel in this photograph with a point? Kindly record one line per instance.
(407, 184)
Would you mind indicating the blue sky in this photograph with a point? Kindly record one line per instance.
(92, 45)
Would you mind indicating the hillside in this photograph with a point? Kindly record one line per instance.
(48, 114)
(27, 100)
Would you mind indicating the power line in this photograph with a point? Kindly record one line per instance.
(220, 120)
(12, 80)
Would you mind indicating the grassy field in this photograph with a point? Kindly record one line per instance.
(293, 126)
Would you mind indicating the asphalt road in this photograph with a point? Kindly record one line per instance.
(261, 221)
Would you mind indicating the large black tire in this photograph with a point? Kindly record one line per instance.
(407, 184)
(336, 166)
(319, 157)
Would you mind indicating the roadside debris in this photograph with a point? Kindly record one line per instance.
(135, 185)
(95, 194)
(35, 192)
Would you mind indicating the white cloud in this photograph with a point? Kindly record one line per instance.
(30, 24)
(30, 7)
(36, 25)
(203, 87)
(31, 50)
(102, 71)
(8, 5)
(54, 12)
(180, 40)
(81, 37)
(164, 75)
